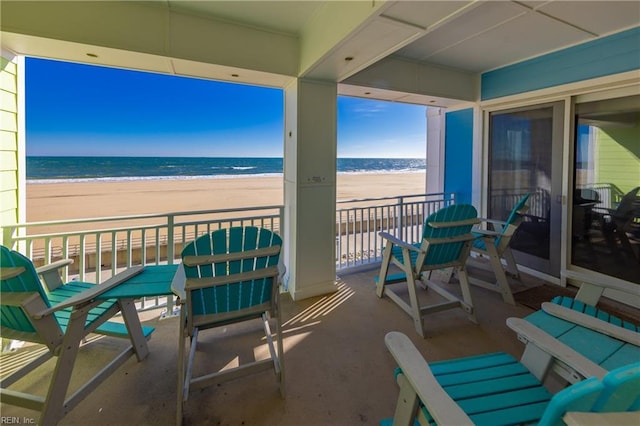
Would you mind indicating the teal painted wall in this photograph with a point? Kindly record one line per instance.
(609, 55)
(458, 154)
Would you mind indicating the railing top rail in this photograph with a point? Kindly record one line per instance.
(431, 194)
(143, 216)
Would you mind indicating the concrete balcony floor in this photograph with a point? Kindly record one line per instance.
(338, 370)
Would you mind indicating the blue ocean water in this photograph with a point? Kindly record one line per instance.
(66, 169)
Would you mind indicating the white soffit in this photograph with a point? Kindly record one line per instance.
(229, 74)
(394, 96)
(288, 17)
(370, 44)
(78, 52)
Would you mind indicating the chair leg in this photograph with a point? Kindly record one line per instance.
(512, 267)
(384, 270)
(181, 367)
(283, 392)
(466, 294)
(276, 357)
(54, 407)
(416, 313)
(134, 328)
(501, 278)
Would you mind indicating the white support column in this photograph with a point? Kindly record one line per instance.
(310, 188)
(435, 150)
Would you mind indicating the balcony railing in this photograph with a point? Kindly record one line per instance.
(101, 247)
(358, 223)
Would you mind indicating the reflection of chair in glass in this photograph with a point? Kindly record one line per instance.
(584, 201)
(533, 234)
(60, 318)
(494, 244)
(495, 389)
(446, 241)
(232, 275)
(622, 225)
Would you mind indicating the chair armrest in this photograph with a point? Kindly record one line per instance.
(92, 293)
(50, 273)
(54, 265)
(416, 370)
(555, 348)
(486, 233)
(19, 298)
(592, 323)
(590, 291)
(472, 221)
(492, 221)
(397, 242)
(8, 272)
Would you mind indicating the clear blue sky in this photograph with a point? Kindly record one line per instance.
(74, 109)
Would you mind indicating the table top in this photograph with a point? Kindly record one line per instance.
(154, 280)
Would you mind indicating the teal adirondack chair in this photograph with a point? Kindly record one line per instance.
(446, 241)
(60, 318)
(582, 324)
(495, 389)
(493, 243)
(232, 275)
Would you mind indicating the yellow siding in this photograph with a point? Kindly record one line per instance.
(8, 202)
(8, 141)
(8, 81)
(619, 157)
(8, 66)
(9, 185)
(8, 101)
(8, 181)
(8, 121)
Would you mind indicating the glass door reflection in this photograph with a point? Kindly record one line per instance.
(525, 156)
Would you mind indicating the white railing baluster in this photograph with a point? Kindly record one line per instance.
(99, 257)
(81, 258)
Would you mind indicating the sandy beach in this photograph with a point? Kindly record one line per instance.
(60, 201)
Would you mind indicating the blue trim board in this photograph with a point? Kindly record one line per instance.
(458, 154)
(614, 54)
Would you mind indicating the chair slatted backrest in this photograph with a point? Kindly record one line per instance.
(13, 317)
(618, 391)
(446, 244)
(232, 296)
(514, 218)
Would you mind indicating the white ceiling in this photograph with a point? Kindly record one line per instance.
(474, 36)
(288, 17)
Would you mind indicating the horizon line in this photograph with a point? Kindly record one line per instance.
(197, 156)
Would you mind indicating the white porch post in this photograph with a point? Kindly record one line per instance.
(310, 187)
(435, 150)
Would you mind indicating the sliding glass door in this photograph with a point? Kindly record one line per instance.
(605, 218)
(525, 156)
